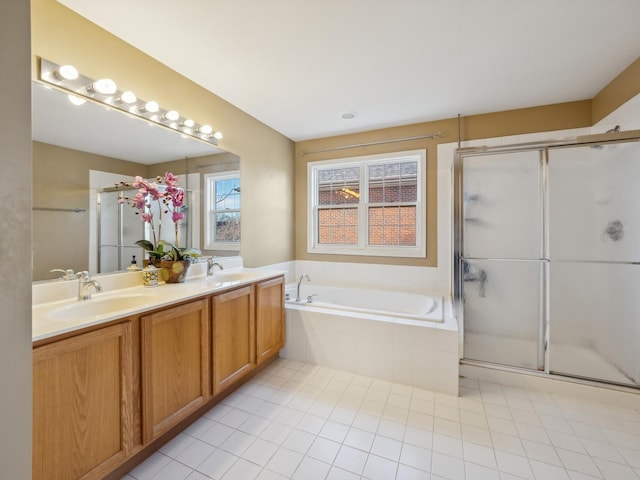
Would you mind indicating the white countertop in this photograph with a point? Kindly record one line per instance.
(52, 318)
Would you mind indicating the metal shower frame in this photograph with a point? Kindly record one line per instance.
(543, 147)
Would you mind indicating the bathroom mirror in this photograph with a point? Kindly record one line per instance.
(71, 143)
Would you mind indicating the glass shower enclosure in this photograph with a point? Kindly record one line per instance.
(547, 256)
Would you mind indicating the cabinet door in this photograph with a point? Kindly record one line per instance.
(269, 318)
(233, 337)
(175, 366)
(82, 404)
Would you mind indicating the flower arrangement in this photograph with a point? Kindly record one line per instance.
(170, 201)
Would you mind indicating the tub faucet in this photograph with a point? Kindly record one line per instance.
(84, 282)
(302, 277)
(211, 264)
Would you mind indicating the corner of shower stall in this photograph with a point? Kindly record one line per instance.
(547, 259)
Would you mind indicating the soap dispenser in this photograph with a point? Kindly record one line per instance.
(150, 276)
(133, 267)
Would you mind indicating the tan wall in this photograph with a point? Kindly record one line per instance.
(376, 135)
(547, 118)
(15, 242)
(620, 90)
(60, 35)
(61, 180)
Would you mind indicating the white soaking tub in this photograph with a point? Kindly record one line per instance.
(396, 336)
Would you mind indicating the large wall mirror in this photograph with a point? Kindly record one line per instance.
(80, 152)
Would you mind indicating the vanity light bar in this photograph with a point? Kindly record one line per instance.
(105, 91)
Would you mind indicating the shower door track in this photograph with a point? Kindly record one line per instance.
(551, 376)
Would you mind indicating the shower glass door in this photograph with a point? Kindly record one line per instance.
(119, 229)
(501, 262)
(594, 247)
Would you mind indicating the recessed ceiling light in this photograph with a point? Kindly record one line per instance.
(349, 115)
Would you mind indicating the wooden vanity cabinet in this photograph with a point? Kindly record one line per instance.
(174, 366)
(82, 404)
(269, 318)
(233, 332)
(101, 398)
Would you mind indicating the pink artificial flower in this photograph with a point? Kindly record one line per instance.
(146, 217)
(140, 182)
(139, 200)
(175, 216)
(170, 179)
(154, 192)
(178, 198)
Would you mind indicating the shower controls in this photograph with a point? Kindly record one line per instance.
(615, 230)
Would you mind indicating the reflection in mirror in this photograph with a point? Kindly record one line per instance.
(80, 151)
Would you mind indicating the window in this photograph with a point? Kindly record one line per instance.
(223, 211)
(373, 205)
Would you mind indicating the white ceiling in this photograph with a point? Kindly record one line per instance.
(297, 65)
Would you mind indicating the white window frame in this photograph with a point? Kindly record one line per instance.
(417, 251)
(210, 202)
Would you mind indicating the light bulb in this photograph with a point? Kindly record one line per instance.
(104, 86)
(217, 135)
(206, 129)
(128, 97)
(188, 123)
(76, 100)
(151, 106)
(67, 72)
(171, 115)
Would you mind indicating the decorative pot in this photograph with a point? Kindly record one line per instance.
(175, 271)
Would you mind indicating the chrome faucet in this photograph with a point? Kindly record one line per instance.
(67, 274)
(84, 282)
(211, 264)
(304, 276)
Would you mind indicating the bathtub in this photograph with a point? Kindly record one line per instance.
(398, 307)
(395, 336)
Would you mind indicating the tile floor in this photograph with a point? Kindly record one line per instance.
(304, 422)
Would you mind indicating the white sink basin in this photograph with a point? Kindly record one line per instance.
(101, 306)
(234, 275)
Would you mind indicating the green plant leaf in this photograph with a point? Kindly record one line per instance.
(146, 244)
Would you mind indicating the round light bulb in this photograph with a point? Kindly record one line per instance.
(188, 123)
(172, 115)
(128, 97)
(67, 72)
(76, 100)
(206, 129)
(105, 86)
(151, 106)
(217, 135)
